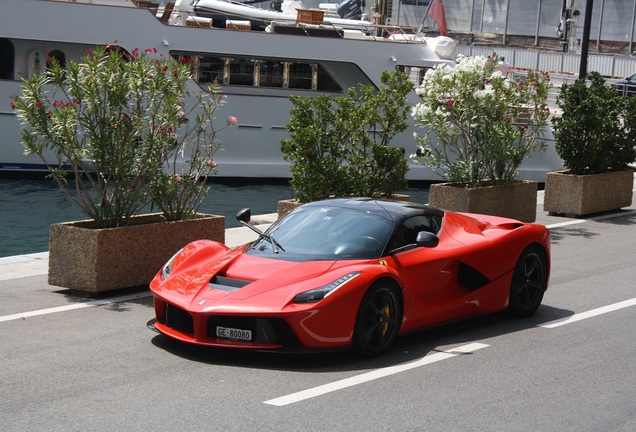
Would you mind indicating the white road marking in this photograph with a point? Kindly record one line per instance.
(589, 314)
(373, 375)
(596, 218)
(384, 372)
(88, 304)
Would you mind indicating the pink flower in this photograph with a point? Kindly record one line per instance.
(176, 178)
(212, 164)
(232, 120)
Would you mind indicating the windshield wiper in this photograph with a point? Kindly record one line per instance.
(244, 217)
(272, 240)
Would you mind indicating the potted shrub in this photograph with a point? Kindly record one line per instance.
(340, 146)
(117, 137)
(596, 138)
(480, 127)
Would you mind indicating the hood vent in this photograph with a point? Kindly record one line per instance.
(228, 284)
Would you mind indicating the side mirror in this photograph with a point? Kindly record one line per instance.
(244, 215)
(426, 239)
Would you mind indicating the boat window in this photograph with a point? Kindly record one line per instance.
(415, 73)
(241, 72)
(326, 82)
(271, 74)
(260, 72)
(7, 59)
(208, 69)
(57, 55)
(301, 76)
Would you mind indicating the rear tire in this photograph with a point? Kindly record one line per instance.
(378, 321)
(529, 282)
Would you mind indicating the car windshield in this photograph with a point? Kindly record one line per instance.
(325, 232)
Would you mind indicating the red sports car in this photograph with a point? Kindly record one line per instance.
(346, 272)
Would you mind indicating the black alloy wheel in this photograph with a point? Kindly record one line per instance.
(378, 321)
(528, 282)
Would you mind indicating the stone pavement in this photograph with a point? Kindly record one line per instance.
(20, 266)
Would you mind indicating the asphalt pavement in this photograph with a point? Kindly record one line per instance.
(73, 364)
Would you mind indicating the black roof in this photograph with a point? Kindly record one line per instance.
(394, 210)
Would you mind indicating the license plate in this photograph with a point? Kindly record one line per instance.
(234, 334)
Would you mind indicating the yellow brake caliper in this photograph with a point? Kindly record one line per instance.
(385, 324)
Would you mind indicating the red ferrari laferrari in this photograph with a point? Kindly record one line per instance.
(346, 272)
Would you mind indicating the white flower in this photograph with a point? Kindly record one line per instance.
(420, 110)
(486, 91)
(440, 112)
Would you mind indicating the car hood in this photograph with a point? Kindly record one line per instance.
(243, 279)
(266, 274)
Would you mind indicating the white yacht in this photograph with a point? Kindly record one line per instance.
(298, 52)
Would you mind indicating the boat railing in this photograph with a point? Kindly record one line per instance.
(367, 31)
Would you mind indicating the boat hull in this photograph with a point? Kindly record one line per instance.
(250, 149)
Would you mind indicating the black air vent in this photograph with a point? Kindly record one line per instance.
(470, 278)
(179, 320)
(228, 284)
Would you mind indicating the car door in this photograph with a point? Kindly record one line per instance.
(434, 290)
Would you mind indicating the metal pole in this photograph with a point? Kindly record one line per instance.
(585, 42)
(631, 33)
(483, 9)
(536, 33)
(419, 29)
(600, 26)
(506, 23)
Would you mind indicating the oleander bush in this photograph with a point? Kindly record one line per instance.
(479, 126)
(117, 124)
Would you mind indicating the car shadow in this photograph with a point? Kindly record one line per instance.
(407, 348)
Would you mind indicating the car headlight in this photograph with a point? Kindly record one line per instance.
(167, 268)
(320, 293)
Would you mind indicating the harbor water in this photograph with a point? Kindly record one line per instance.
(29, 206)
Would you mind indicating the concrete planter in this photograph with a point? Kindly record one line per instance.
(578, 195)
(285, 206)
(91, 260)
(516, 201)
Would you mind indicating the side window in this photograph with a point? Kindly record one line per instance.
(407, 232)
(7, 58)
(57, 55)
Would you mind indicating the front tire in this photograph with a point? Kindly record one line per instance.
(529, 282)
(378, 321)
